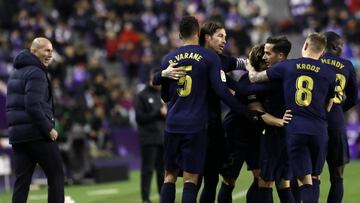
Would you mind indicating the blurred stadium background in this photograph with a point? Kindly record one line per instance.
(103, 52)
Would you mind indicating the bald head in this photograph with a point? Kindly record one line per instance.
(38, 43)
(42, 48)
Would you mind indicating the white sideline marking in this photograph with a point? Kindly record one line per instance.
(37, 197)
(156, 196)
(102, 192)
(111, 191)
(240, 195)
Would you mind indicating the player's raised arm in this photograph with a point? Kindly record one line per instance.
(255, 76)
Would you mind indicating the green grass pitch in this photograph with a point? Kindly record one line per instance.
(129, 192)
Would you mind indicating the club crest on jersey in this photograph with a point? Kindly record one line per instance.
(223, 76)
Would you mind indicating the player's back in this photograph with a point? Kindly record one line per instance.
(307, 85)
(188, 104)
(345, 77)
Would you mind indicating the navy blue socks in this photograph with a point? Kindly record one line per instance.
(286, 195)
(167, 193)
(189, 193)
(252, 193)
(306, 193)
(225, 193)
(265, 195)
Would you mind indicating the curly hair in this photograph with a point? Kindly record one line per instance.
(256, 56)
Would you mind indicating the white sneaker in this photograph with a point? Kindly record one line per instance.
(68, 199)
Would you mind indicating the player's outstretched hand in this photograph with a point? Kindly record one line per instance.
(287, 117)
(248, 66)
(172, 72)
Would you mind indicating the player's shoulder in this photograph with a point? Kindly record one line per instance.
(348, 64)
(283, 64)
(208, 52)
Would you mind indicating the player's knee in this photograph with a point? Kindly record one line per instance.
(170, 176)
(304, 180)
(267, 184)
(316, 177)
(191, 177)
(256, 173)
(283, 184)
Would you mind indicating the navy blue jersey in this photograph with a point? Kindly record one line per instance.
(346, 89)
(243, 130)
(274, 103)
(245, 87)
(188, 97)
(307, 86)
(228, 64)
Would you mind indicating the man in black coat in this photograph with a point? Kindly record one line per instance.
(150, 117)
(30, 118)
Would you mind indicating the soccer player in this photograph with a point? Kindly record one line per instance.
(185, 126)
(213, 37)
(345, 98)
(273, 153)
(244, 135)
(309, 86)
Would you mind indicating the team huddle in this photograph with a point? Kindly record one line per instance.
(286, 116)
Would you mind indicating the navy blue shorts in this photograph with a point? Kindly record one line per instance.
(185, 151)
(307, 153)
(274, 163)
(241, 151)
(338, 147)
(236, 159)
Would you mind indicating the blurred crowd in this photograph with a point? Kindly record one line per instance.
(104, 50)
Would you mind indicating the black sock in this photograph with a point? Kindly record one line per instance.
(336, 191)
(286, 195)
(208, 193)
(167, 193)
(306, 193)
(295, 190)
(252, 193)
(265, 195)
(225, 193)
(189, 193)
(316, 188)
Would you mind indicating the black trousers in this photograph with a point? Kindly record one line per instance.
(47, 155)
(151, 159)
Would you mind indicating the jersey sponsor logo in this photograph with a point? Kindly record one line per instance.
(223, 76)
